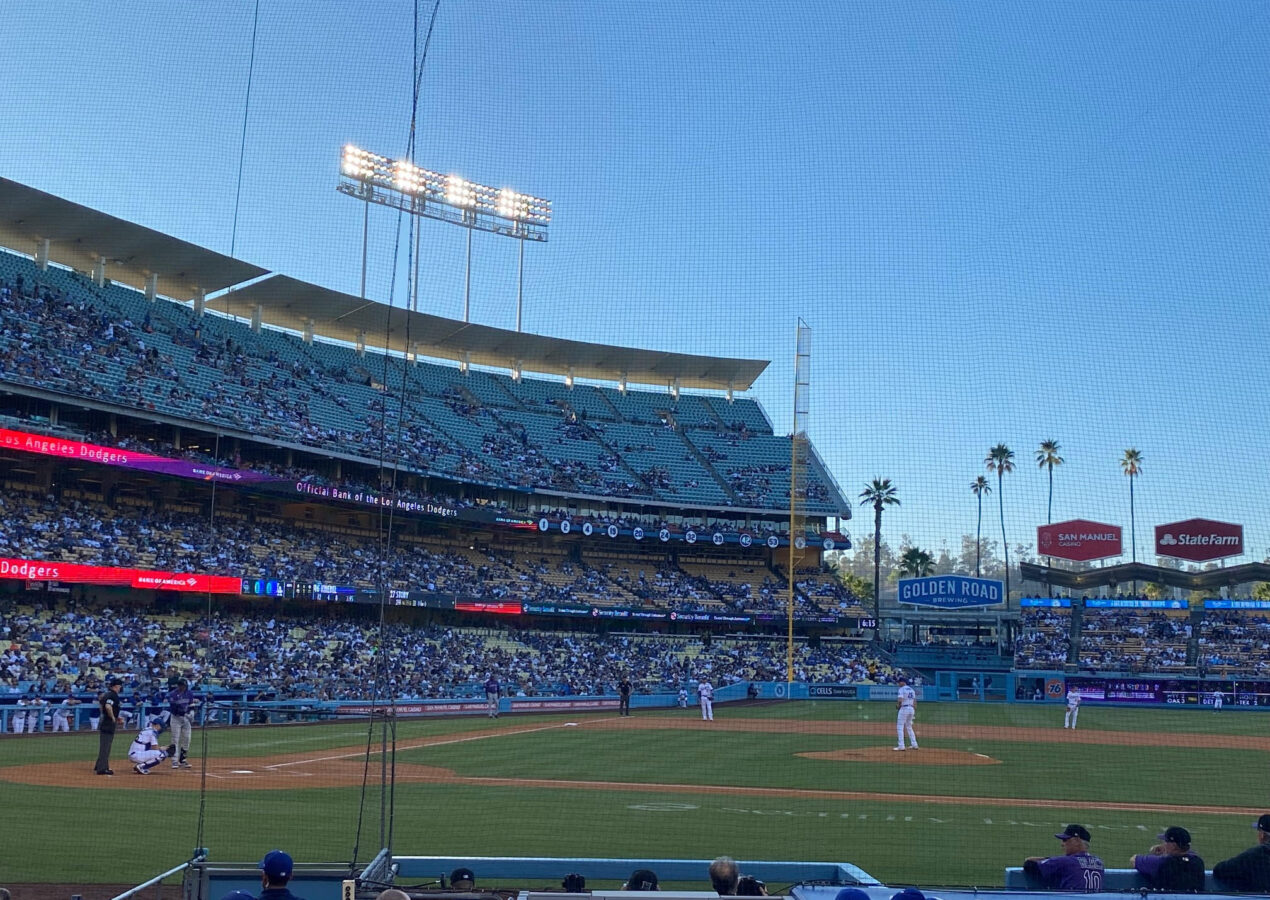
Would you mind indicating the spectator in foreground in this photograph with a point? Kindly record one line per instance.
(1250, 870)
(1075, 870)
(463, 878)
(392, 894)
(642, 880)
(574, 883)
(275, 872)
(724, 876)
(749, 886)
(1171, 866)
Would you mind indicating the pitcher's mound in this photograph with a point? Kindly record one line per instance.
(923, 757)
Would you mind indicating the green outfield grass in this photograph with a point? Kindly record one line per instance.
(123, 834)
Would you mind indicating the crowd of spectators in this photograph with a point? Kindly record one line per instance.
(56, 650)
(63, 333)
(1133, 641)
(87, 531)
(1043, 640)
(1234, 640)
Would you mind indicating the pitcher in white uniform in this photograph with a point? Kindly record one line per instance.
(705, 690)
(906, 703)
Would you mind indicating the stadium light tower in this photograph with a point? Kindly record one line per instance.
(400, 184)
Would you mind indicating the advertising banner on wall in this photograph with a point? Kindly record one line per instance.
(1079, 540)
(950, 591)
(1199, 540)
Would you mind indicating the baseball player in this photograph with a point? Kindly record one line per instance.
(62, 713)
(705, 690)
(493, 690)
(144, 751)
(19, 718)
(1218, 698)
(1073, 708)
(906, 703)
(179, 700)
(683, 698)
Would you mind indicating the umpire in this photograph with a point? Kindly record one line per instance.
(180, 699)
(108, 703)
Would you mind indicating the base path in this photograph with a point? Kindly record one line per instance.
(346, 766)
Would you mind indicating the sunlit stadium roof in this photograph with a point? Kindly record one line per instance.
(287, 302)
(79, 236)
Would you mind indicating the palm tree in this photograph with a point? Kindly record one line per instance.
(979, 487)
(916, 562)
(1000, 459)
(1131, 465)
(1047, 458)
(878, 493)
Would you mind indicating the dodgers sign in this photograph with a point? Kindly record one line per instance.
(950, 591)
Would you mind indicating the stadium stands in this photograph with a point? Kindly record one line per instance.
(56, 650)
(62, 333)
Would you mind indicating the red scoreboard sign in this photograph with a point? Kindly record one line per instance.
(1199, 540)
(1079, 540)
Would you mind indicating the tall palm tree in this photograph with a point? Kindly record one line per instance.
(1047, 458)
(916, 562)
(878, 493)
(1131, 465)
(1000, 459)
(979, 487)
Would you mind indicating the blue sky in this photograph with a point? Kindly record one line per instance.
(1003, 221)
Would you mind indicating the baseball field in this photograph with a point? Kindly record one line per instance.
(778, 781)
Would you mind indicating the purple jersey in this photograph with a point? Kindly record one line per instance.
(1078, 872)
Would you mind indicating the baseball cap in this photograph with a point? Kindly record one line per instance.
(909, 893)
(642, 880)
(277, 865)
(1177, 834)
(851, 894)
(462, 874)
(115, 681)
(1263, 823)
(1072, 831)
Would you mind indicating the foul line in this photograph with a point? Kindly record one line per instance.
(415, 744)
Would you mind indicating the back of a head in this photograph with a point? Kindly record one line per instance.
(462, 879)
(642, 880)
(393, 894)
(724, 875)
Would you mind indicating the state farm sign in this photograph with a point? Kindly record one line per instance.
(1079, 539)
(1199, 540)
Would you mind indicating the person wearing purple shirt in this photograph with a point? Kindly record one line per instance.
(1076, 870)
(1171, 865)
(180, 699)
(493, 690)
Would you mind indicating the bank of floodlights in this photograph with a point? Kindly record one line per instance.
(402, 185)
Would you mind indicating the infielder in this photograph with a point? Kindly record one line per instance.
(705, 690)
(1218, 697)
(180, 699)
(493, 690)
(144, 751)
(1073, 709)
(906, 703)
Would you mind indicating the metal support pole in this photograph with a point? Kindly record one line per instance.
(365, 243)
(467, 290)
(520, 283)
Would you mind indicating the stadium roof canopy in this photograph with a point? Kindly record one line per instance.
(79, 237)
(289, 303)
(1208, 579)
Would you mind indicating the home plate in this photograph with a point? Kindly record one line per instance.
(241, 772)
(570, 724)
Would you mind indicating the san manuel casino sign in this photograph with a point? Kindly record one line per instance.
(1199, 540)
(1079, 540)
